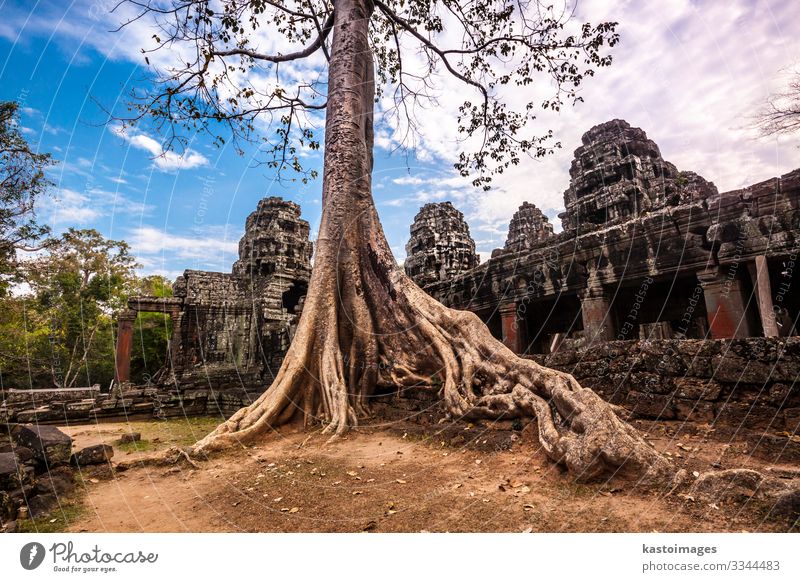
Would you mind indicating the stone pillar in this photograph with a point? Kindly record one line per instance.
(759, 273)
(725, 305)
(512, 335)
(122, 369)
(598, 325)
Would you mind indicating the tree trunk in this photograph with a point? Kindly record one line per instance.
(365, 323)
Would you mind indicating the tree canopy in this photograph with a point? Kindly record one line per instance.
(61, 331)
(255, 70)
(22, 183)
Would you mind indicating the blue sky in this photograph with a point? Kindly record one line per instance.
(689, 73)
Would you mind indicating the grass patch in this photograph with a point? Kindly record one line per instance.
(55, 521)
(161, 434)
(141, 446)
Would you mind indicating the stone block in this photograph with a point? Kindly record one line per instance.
(130, 437)
(694, 410)
(10, 474)
(93, 455)
(729, 368)
(791, 419)
(697, 389)
(48, 444)
(650, 405)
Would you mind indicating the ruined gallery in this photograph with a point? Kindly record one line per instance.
(661, 293)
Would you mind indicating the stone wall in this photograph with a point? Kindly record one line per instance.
(216, 395)
(741, 383)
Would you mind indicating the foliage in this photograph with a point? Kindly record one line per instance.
(226, 85)
(61, 333)
(152, 332)
(22, 182)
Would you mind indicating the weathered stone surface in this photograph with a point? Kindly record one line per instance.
(440, 246)
(695, 389)
(58, 482)
(10, 476)
(49, 445)
(528, 227)
(24, 454)
(787, 506)
(618, 174)
(631, 373)
(93, 455)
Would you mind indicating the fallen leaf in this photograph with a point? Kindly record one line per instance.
(352, 473)
(478, 461)
(528, 507)
(294, 510)
(523, 490)
(357, 492)
(401, 481)
(55, 519)
(277, 499)
(93, 480)
(527, 530)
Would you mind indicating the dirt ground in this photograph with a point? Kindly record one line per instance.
(396, 478)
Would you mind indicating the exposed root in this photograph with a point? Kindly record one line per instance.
(481, 379)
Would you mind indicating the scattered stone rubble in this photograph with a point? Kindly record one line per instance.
(37, 468)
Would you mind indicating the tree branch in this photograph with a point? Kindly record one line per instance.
(301, 54)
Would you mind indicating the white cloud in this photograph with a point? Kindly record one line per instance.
(71, 208)
(216, 248)
(167, 161)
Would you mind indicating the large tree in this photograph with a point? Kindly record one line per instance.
(365, 323)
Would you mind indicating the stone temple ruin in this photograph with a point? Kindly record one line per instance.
(664, 295)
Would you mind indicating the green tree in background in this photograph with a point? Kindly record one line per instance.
(22, 182)
(78, 288)
(152, 330)
(61, 331)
